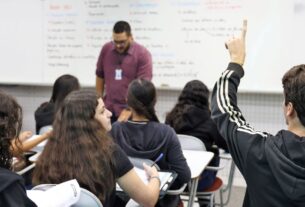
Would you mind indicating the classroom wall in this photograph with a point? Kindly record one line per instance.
(263, 111)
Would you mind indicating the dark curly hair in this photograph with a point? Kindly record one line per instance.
(10, 126)
(294, 90)
(194, 93)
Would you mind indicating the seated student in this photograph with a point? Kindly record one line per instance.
(12, 190)
(272, 165)
(63, 85)
(192, 116)
(81, 149)
(144, 137)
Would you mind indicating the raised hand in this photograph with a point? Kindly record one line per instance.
(237, 46)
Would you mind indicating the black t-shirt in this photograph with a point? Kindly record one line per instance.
(123, 165)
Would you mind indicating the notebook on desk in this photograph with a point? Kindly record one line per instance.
(167, 178)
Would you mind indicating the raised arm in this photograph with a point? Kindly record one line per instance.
(27, 145)
(146, 195)
(239, 135)
(237, 46)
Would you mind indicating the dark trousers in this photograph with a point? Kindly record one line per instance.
(207, 178)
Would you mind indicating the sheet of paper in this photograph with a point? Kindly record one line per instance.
(164, 177)
(64, 195)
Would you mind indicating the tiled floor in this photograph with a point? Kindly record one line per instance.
(236, 199)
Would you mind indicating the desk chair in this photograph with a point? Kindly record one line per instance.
(228, 188)
(193, 143)
(87, 199)
(138, 162)
(26, 169)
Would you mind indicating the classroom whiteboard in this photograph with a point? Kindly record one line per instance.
(43, 39)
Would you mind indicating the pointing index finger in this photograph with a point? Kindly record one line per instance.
(244, 30)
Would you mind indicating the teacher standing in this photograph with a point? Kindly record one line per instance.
(121, 61)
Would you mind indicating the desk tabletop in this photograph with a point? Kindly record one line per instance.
(132, 203)
(34, 158)
(197, 161)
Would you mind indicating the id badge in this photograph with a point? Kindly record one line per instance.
(118, 74)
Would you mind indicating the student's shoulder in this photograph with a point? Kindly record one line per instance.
(158, 125)
(8, 177)
(116, 129)
(117, 125)
(122, 163)
(45, 106)
(164, 129)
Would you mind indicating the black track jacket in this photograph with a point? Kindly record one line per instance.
(273, 166)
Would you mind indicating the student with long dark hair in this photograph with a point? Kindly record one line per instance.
(12, 190)
(63, 85)
(81, 149)
(144, 137)
(192, 116)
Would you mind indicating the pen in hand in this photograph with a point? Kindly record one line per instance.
(157, 160)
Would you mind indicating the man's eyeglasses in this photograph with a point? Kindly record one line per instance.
(120, 43)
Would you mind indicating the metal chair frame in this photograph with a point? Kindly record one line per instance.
(193, 143)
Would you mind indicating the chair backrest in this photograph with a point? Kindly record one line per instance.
(191, 143)
(87, 199)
